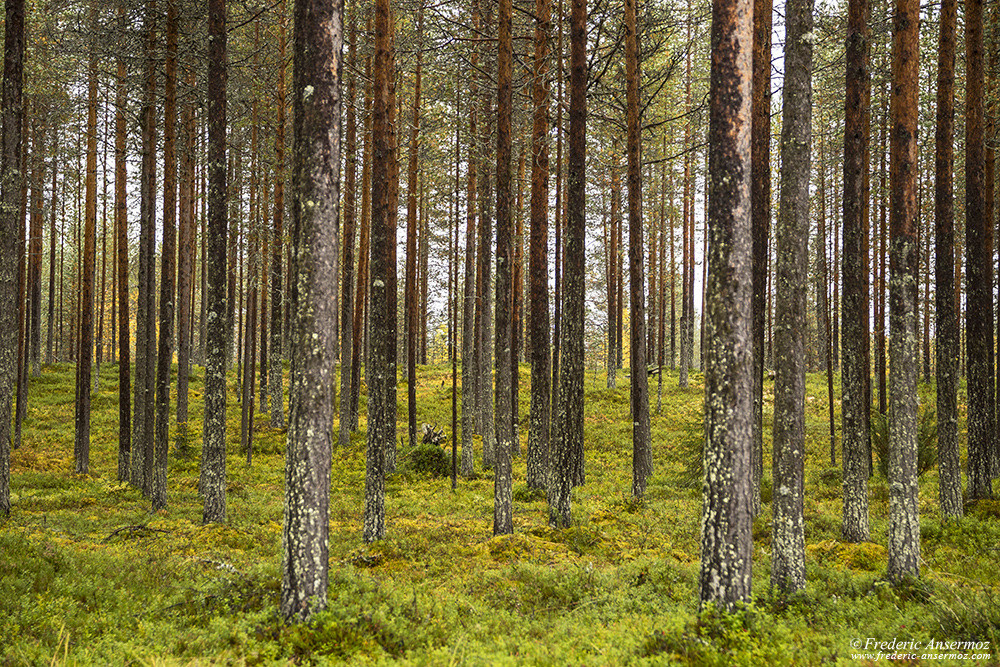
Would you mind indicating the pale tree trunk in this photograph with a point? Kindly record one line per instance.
(350, 216)
(318, 44)
(726, 543)
(410, 283)
(788, 567)
(904, 523)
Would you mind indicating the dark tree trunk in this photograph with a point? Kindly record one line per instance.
(788, 566)
(165, 352)
(567, 441)
(381, 425)
(213, 467)
(503, 520)
(642, 456)
(185, 266)
(275, 373)
(121, 231)
(538, 257)
(904, 253)
(946, 313)
(854, 313)
(979, 267)
(410, 283)
(726, 543)
(145, 335)
(11, 222)
(81, 447)
(347, 266)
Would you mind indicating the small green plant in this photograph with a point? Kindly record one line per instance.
(429, 460)
(926, 441)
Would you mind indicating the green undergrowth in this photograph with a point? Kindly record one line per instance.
(88, 575)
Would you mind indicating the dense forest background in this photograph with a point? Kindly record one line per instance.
(409, 237)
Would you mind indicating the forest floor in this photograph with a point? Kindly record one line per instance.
(88, 575)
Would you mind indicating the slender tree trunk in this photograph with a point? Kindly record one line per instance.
(760, 213)
(381, 425)
(788, 567)
(538, 256)
(470, 323)
(213, 469)
(347, 332)
(614, 271)
(642, 456)
(50, 342)
(855, 373)
(81, 447)
(904, 524)
(726, 542)
(142, 434)
(34, 296)
(410, 287)
(121, 231)
(185, 266)
(11, 176)
(979, 267)
(567, 445)
(168, 292)
(503, 520)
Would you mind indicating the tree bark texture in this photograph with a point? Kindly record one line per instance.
(213, 468)
(979, 267)
(726, 544)
(568, 437)
(642, 456)
(904, 523)
(318, 44)
(11, 222)
(538, 258)
(788, 567)
(854, 313)
(381, 373)
(503, 520)
(946, 312)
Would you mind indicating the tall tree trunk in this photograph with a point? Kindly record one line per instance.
(186, 236)
(34, 329)
(760, 215)
(788, 566)
(726, 543)
(50, 342)
(979, 267)
(347, 266)
(381, 425)
(642, 456)
(81, 446)
(904, 524)
(168, 292)
(142, 434)
(538, 256)
(503, 520)
(318, 44)
(855, 373)
(410, 285)
(11, 176)
(946, 313)
(121, 231)
(470, 323)
(614, 271)
(213, 468)
(567, 444)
